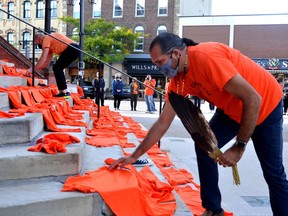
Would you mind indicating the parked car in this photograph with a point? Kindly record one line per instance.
(126, 92)
(88, 89)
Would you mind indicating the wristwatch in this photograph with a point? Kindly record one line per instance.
(240, 144)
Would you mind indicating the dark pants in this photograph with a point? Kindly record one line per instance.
(268, 143)
(117, 101)
(101, 97)
(64, 60)
(133, 101)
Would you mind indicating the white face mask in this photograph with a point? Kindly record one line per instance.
(167, 69)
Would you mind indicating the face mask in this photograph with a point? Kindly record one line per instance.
(167, 69)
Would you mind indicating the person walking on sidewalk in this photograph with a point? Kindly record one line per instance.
(67, 54)
(99, 91)
(134, 91)
(117, 91)
(249, 105)
(149, 85)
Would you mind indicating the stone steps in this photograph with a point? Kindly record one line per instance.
(35, 198)
(21, 129)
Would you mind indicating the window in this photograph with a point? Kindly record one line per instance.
(162, 7)
(117, 8)
(139, 44)
(76, 9)
(0, 10)
(10, 9)
(10, 38)
(53, 8)
(26, 9)
(39, 9)
(96, 9)
(161, 29)
(140, 8)
(26, 39)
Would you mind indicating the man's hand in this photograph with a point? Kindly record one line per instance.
(29, 72)
(231, 156)
(121, 162)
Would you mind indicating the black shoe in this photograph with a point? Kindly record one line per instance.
(210, 213)
(60, 94)
(134, 109)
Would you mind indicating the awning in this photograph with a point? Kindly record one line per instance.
(141, 65)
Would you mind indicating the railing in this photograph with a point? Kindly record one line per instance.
(91, 56)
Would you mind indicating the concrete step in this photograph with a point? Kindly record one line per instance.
(36, 198)
(20, 129)
(16, 162)
(4, 101)
(19, 163)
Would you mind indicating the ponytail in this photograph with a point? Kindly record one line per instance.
(189, 42)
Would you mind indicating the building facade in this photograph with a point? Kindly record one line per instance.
(263, 38)
(147, 17)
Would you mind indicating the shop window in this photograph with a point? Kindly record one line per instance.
(139, 43)
(162, 7)
(140, 8)
(39, 9)
(118, 8)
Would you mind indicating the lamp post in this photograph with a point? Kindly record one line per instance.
(81, 65)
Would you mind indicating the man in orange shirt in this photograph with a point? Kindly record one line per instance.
(67, 54)
(149, 85)
(249, 105)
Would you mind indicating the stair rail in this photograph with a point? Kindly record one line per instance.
(91, 56)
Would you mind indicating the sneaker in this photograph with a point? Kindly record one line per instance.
(67, 95)
(142, 162)
(210, 213)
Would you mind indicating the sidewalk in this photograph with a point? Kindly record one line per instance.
(250, 198)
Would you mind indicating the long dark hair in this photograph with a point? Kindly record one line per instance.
(168, 42)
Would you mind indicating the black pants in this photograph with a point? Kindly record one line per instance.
(117, 100)
(133, 101)
(101, 97)
(64, 60)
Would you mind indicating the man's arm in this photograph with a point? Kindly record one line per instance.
(154, 135)
(43, 62)
(251, 100)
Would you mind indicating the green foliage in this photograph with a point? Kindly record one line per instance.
(104, 40)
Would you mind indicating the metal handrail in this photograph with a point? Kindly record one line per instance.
(91, 56)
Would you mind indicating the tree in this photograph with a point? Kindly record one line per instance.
(104, 40)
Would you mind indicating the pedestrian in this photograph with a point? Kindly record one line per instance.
(67, 54)
(197, 101)
(134, 91)
(249, 105)
(99, 90)
(117, 91)
(285, 98)
(211, 107)
(149, 85)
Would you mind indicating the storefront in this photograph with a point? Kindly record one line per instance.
(139, 65)
(277, 67)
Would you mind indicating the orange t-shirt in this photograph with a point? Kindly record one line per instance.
(54, 45)
(212, 65)
(151, 83)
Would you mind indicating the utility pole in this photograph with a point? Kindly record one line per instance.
(47, 16)
(81, 65)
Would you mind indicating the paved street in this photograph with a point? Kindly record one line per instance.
(248, 199)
